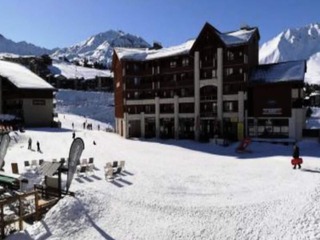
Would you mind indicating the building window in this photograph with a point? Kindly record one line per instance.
(229, 71)
(214, 107)
(183, 92)
(183, 76)
(245, 58)
(136, 81)
(214, 73)
(135, 68)
(173, 64)
(230, 106)
(230, 55)
(185, 62)
(175, 77)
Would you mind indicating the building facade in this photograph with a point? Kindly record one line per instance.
(198, 90)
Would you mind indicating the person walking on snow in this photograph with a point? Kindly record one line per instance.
(29, 143)
(38, 146)
(296, 155)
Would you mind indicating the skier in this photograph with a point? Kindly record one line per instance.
(73, 135)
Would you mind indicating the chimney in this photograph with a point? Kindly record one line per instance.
(156, 46)
(245, 27)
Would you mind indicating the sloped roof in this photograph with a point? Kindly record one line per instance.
(22, 77)
(148, 54)
(237, 37)
(279, 72)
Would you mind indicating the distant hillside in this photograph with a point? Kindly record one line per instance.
(296, 44)
(96, 105)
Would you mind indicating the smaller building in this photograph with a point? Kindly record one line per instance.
(25, 95)
(314, 99)
(275, 100)
(69, 76)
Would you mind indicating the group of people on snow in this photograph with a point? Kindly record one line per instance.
(30, 145)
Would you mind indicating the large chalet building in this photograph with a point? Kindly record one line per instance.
(210, 87)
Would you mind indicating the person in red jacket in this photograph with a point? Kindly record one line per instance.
(296, 156)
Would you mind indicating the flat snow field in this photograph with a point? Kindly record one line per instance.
(175, 189)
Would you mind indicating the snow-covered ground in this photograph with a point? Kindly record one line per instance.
(176, 189)
(95, 105)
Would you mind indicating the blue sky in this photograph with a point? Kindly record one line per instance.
(62, 23)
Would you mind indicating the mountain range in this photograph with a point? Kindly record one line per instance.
(291, 44)
(97, 48)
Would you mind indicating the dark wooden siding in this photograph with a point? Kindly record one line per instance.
(260, 100)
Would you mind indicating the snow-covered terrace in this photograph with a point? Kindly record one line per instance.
(22, 77)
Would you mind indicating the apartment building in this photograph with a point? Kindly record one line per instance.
(197, 90)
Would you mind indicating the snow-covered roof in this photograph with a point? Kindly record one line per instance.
(22, 77)
(314, 94)
(279, 72)
(149, 54)
(71, 71)
(237, 37)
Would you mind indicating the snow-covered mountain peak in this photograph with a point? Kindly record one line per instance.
(292, 44)
(99, 47)
(295, 44)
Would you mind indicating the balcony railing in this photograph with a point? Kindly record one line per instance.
(208, 114)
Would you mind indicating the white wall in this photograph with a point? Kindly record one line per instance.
(38, 115)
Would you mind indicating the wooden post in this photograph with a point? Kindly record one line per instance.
(2, 223)
(20, 214)
(36, 198)
(59, 181)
